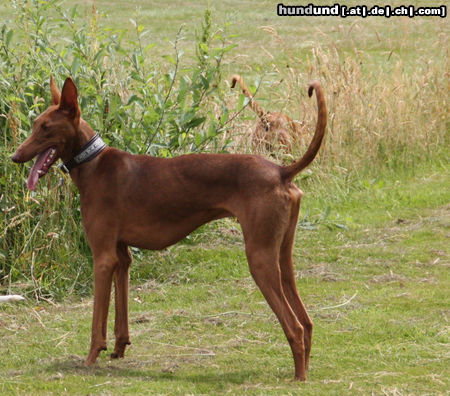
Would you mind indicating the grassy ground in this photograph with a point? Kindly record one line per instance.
(373, 272)
(377, 292)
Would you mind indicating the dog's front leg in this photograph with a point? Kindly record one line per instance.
(104, 266)
(121, 278)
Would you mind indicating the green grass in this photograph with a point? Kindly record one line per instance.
(377, 292)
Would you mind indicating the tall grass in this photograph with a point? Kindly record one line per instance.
(382, 115)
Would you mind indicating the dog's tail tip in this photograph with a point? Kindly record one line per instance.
(235, 79)
(313, 86)
(288, 172)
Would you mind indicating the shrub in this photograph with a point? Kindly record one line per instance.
(160, 108)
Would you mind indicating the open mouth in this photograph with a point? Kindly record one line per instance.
(43, 163)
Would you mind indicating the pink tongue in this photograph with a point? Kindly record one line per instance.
(33, 177)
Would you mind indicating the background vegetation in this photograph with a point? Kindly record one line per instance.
(371, 252)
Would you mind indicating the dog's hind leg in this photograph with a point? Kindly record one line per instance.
(121, 280)
(263, 259)
(288, 275)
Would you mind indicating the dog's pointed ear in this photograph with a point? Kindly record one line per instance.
(69, 99)
(56, 95)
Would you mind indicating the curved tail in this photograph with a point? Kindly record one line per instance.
(255, 106)
(288, 172)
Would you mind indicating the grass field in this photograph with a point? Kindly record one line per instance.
(377, 293)
(371, 253)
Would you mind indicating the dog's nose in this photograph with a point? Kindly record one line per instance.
(16, 158)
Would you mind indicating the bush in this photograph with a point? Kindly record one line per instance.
(131, 102)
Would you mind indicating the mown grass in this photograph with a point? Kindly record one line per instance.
(377, 292)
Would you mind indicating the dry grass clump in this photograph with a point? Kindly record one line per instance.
(380, 113)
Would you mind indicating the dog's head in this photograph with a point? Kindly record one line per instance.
(52, 133)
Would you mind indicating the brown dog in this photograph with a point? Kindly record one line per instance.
(151, 203)
(272, 128)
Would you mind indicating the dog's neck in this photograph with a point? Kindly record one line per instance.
(83, 134)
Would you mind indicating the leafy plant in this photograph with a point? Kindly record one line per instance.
(124, 95)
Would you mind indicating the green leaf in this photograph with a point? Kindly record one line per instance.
(13, 98)
(8, 37)
(224, 117)
(170, 59)
(241, 101)
(205, 82)
(229, 48)
(75, 66)
(198, 139)
(327, 212)
(73, 11)
(195, 122)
